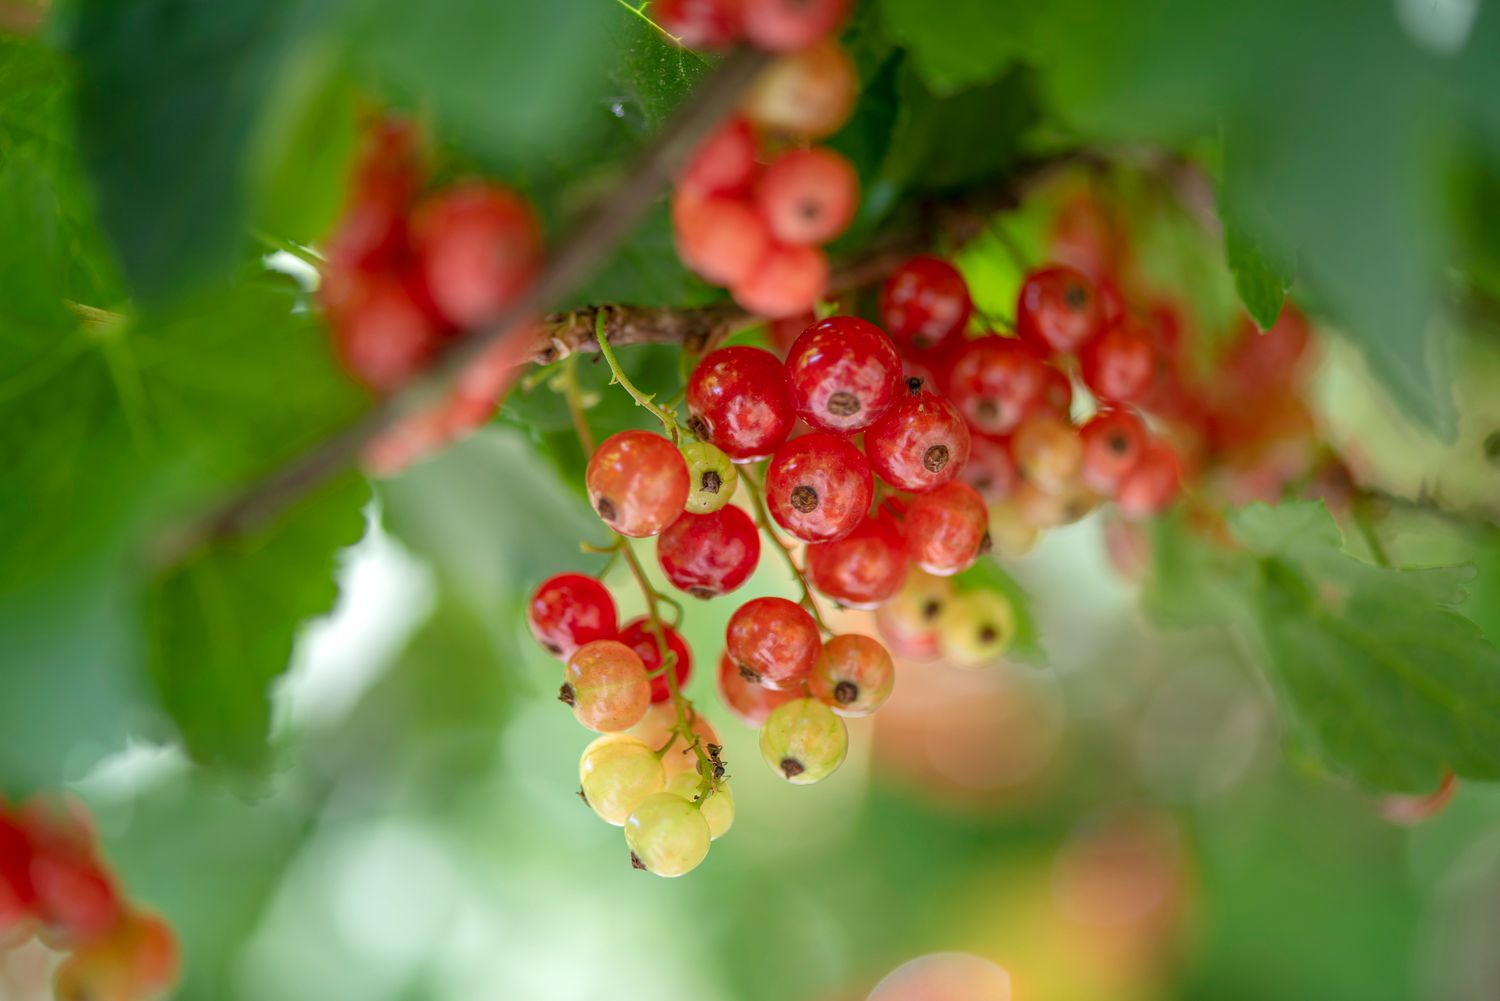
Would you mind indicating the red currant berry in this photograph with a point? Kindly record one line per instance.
(818, 487)
(991, 468)
(1057, 393)
(845, 374)
(773, 642)
(1048, 452)
(606, 686)
(808, 196)
(789, 25)
(808, 93)
(787, 281)
(381, 332)
(947, 530)
(1257, 360)
(995, 382)
(740, 399)
(699, 24)
(709, 554)
(1120, 366)
(1113, 441)
(920, 444)
(638, 635)
(864, 568)
(1152, 484)
(720, 237)
(853, 675)
(372, 234)
(74, 895)
(479, 247)
(924, 303)
(724, 164)
(569, 610)
(638, 483)
(749, 701)
(908, 622)
(1058, 310)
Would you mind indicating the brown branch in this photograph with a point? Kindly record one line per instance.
(579, 255)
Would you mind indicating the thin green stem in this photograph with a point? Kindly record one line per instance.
(762, 518)
(617, 375)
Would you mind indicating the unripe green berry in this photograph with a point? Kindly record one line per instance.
(976, 628)
(803, 741)
(712, 477)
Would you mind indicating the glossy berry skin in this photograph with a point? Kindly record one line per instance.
(668, 836)
(720, 237)
(606, 686)
(920, 444)
(808, 196)
(991, 468)
(1048, 452)
(1058, 310)
(808, 94)
(709, 554)
(854, 675)
(790, 25)
(787, 281)
(749, 701)
(1113, 441)
(717, 809)
(1120, 365)
(478, 246)
(1152, 484)
(740, 400)
(712, 476)
(925, 303)
(637, 635)
(1057, 393)
(977, 628)
(947, 530)
(724, 164)
(864, 568)
(616, 772)
(569, 610)
(995, 382)
(803, 741)
(773, 642)
(637, 483)
(818, 487)
(845, 374)
(699, 24)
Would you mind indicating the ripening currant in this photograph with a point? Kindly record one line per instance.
(947, 529)
(640, 637)
(637, 483)
(568, 610)
(853, 675)
(667, 835)
(718, 809)
(658, 729)
(1120, 365)
(991, 468)
(788, 280)
(739, 398)
(808, 196)
(920, 444)
(712, 475)
(773, 642)
(137, 959)
(73, 894)
(1058, 311)
(845, 374)
(909, 621)
(1152, 483)
(790, 25)
(709, 554)
(479, 246)
(808, 93)
(995, 382)
(747, 700)
(1113, 441)
(864, 568)
(804, 741)
(1048, 452)
(606, 686)
(616, 772)
(724, 164)
(699, 24)
(1041, 509)
(381, 333)
(977, 627)
(925, 304)
(720, 237)
(818, 487)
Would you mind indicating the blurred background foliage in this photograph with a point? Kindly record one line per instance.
(336, 766)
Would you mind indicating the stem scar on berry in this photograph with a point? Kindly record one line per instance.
(751, 676)
(935, 458)
(805, 499)
(791, 767)
(843, 404)
(1076, 296)
(985, 543)
(710, 482)
(606, 509)
(636, 863)
(914, 385)
(845, 692)
(565, 695)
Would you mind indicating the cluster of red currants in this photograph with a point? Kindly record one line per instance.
(54, 886)
(755, 205)
(772, 25)
(408, 271)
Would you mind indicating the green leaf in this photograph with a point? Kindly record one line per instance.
(967, 43)
(654, 72)
(1375, 668)
(222, 624)
(988, 575)
(1190, 580)
(1263, 273)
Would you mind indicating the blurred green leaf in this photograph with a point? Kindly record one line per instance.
(1191, 580)
(968, 43)
(1263, 274)
(1379, 669)
(988, 575)
(653, 72)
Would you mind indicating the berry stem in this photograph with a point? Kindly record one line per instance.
(617, 375)
(753, 488)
